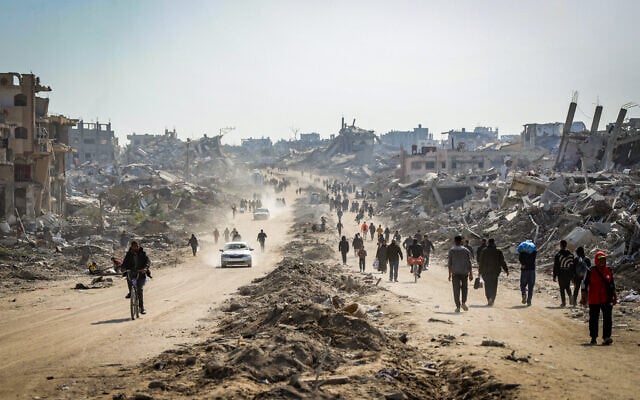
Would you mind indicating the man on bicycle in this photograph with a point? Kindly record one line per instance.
(136, 261)
(415, 251)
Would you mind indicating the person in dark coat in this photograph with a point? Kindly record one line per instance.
(394, 255)
(491, 263)
(357, 243)
(483, 245)
(563, 272)
(343, 247)
(372, 230)
(582, 265)
(600, 292)
(415, 251)
(381, 255)
(193, 242)
(138, 263)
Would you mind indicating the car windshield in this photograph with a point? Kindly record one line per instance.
(262, 210)
(235, 246)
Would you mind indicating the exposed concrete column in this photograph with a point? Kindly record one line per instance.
(596, 120)
(607, 159)
(565, 133)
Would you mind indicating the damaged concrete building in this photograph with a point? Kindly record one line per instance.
(417, 137)
(92, 142)
(469, 141)
(352, 140)
(34, 144)
(592, 150)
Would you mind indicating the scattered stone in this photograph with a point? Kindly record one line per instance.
(492, 343)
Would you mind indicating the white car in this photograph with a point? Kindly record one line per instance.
(236, 254)
(261, 213)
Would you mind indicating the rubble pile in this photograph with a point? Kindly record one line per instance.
(596, 211)
(289, 335)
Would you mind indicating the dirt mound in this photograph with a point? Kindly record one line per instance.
(287, 335)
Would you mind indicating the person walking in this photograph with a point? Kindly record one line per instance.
(372, 230)
(216, 235)
(261, 239)
(226, 234)
(563, 272)
(387, 234)
(339, 226)
(599, 291)
(397, 237)
(468, 247)
(527, 260)
(357, 243)
(364, 229)
(459, 262)
(362, 255)
(582, 265)
(193, 242)
(343, 248)
(491, 263)
(381, 255)
(483, 245)
(394, 255)
(427, 247)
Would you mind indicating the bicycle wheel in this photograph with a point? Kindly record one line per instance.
(415, 274)
(133, 303)
(137, 304)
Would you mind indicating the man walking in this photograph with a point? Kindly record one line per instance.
(459, 262)
(261, 239)
(193, 242)
(362, 255)
(415, 251)
(563, 271)
(216, 235)
(394, 255)
(339, 226)
(491, 263)
(343, 248)
(427, 246)
(527, 272)
(582, 265)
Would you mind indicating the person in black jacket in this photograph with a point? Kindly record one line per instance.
(343, 247)
(136, 261)
(415, 251)
(563, 272)
(193, 242)
(394, 255)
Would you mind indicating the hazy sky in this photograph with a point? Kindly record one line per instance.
(267, 66)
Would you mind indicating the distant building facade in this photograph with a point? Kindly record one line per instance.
(464, 140)
(260, 145)
(93, 142)
(546, 135)
(406, 139)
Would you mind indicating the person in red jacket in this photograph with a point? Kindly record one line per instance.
(598, 289)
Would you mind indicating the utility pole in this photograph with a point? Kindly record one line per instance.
(187, 166)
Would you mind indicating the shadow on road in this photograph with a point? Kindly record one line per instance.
(111, 321)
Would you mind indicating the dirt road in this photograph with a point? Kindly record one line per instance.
(560, 363)
(57, 333)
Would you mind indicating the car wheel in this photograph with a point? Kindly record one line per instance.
(249, 265)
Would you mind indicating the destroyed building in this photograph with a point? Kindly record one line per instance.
(546, 135)
(156, 149)
(417, 137)
(435, 160)
(615, 148)
(352, 140)
(34, 144)
(93, 142)
(469, 141)
(261, 145)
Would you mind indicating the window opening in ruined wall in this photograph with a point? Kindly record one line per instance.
(22, 172)
(21, 132)
(20, 100)
(415, 165)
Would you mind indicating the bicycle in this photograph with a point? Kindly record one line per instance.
(416, 266)
(134, 304)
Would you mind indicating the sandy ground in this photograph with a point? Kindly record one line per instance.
(51, 335)
(561, 363)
